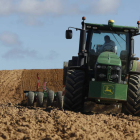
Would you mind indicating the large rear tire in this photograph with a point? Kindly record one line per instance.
(30, 98)
(40, 96)
(50, 98)
(74, 91)
(133, 96)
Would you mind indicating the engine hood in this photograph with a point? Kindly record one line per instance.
(109, 58)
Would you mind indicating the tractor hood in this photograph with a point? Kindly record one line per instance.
(109, 58)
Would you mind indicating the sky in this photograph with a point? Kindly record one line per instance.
(32, 32)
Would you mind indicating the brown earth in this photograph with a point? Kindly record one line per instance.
(12, 83)
(21, 123)
(33, 123)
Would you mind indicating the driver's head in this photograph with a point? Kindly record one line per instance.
(107, 39)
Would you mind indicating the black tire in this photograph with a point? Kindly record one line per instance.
(133, 96)
(59, 99)
(50, 98)
(30, 98)
(40, 96)
(74, 91)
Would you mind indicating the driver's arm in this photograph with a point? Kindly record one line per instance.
(114, 46)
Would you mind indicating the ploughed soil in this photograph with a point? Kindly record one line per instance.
(18, 122)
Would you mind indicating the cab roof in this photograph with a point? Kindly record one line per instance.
(112, 27)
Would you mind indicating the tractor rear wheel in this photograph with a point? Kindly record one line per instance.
(133, 96)
(74, 91)
(59, 99)
(40, 96)
(30, 98)
(50, 98)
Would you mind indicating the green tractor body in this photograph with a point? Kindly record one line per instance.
(108, 90)
(103, 72)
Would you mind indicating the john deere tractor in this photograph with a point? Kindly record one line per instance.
(105, 70)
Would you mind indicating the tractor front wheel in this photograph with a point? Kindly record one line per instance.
(132, 106)
(74, 91)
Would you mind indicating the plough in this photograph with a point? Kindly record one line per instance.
(47, 96)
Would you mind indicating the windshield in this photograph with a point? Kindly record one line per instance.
(117, 42)
(108, 41)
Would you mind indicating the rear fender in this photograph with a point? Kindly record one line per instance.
(77, 68)
(134, 72)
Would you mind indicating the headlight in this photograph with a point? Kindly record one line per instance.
(103, 67)
(114, 76)
(116, 68)
(98, 66)
(102, 75)
(93, 79)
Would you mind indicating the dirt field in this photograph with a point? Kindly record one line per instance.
(12, 83)
(21, 123)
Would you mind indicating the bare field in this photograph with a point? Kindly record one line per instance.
(12, 83)
(33, 123)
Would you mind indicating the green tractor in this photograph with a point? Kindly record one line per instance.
(105, 70)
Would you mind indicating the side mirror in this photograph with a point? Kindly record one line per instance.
(68, 34)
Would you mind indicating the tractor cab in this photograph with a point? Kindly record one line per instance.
(120, 42)
(108, 41)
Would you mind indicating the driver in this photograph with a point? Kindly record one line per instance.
(109, 45)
